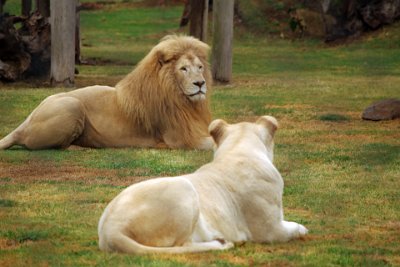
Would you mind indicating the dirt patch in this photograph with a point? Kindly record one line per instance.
(34, 171)
(124, 4)
(94, 61)
(8, 244)
(95, 6)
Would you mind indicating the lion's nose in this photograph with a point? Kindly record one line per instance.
(199, 83)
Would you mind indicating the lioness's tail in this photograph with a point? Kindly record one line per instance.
(123, 243)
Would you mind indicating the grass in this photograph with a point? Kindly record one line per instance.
(133, 25)
(341, 173)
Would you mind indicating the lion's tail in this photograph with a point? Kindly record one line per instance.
(7, 141)
(15, 137)
(123, 243)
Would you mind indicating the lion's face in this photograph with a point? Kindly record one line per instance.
(189, 70)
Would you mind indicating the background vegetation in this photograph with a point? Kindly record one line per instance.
(341, 173)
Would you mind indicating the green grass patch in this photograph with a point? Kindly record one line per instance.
(126, 34)
(22, 236)
(7, 203)
(150, 162)
(379, 154)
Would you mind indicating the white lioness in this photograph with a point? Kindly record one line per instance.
(235, 198)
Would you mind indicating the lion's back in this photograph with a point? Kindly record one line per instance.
(92, 92)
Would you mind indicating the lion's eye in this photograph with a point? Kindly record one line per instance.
(183, 69)
(200, 67)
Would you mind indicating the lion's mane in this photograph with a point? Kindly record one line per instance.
(150, 96)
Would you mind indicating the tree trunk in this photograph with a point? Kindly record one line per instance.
(13, 58)
(323, 10)
(24, 52)
(43, 6)
(221, 61)
(2, 3)
(26, 7)
(198, 19)
(185, 14)
(325, 5)
(78, 34)
(63, 20)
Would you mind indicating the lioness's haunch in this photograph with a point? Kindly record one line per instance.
(235, 198)
(163, 102)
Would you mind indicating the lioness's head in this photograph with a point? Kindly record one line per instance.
(183, 59)
(246, 135)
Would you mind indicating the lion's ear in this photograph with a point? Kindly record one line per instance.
(203, 51)
(164, 58)
(269, 122)
(161, 58)
(217, 129)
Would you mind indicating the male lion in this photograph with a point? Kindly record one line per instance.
(162, 102)
(235, 198)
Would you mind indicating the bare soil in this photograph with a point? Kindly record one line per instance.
(36, 171)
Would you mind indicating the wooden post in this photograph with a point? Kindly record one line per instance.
(63, 20)
(198, 19)
(221, 60)
(26, 7)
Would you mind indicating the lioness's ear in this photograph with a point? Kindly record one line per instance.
(217, 130)
(268, 122)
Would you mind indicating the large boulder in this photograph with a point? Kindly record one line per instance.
(24, 50)
(352, 17)
(379, 13)
(388, 109)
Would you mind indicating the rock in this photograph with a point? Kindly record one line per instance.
(24, 50)
(380, 13)
(313, 23)
(352, 17)
(388, 109)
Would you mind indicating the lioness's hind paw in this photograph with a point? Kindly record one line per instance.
(228, 245)
(225, 244)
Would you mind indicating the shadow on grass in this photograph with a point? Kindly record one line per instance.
(333, 117)
(376, 154)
